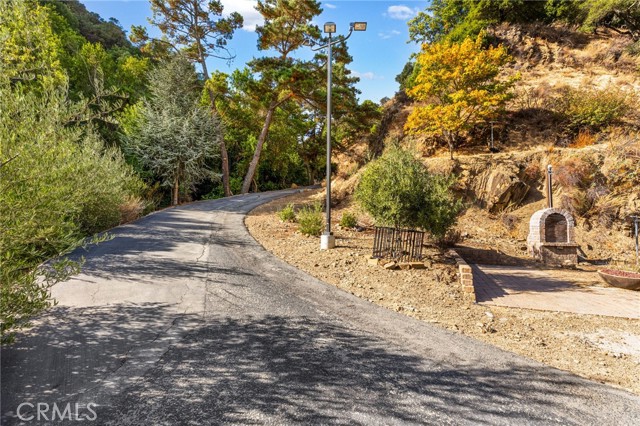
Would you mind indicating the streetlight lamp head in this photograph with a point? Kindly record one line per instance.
(359, 26)
(330, 27)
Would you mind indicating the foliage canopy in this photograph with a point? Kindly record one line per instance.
(459, 87)
(58, 183)
(455, 20)
(397, 190)
(196, 27)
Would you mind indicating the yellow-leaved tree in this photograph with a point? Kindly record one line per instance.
(458, 86)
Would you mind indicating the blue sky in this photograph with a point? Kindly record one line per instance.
(379, 54)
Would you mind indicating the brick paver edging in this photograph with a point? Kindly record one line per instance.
(465, 273)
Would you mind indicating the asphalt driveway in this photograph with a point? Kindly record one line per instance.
(183, 319)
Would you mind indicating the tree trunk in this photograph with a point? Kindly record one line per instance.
(225, 169)
(246, 185)
(224, 155)
(310, 177)
(175, 192)
(450, 141)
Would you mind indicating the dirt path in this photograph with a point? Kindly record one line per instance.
(600, 348)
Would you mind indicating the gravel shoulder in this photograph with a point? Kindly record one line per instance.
(599, 348)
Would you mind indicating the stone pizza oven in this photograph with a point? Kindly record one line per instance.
(551, 234)
(551, 237)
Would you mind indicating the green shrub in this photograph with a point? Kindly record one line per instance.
(59, 184)
(592, 109)
(397, 190)
(287, 214)
(310, 220)
(235, 184)
(634, 49)
(348, 220)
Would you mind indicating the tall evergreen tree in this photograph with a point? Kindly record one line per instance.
(175, 136)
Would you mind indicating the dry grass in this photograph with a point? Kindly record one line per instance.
(131, 209)
(584, 138)
(551, 59)
(574, 172)
(622, 165)
(533, 172)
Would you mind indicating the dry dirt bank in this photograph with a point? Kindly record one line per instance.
(599, 348)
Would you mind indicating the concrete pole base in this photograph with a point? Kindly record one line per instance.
(327, 241)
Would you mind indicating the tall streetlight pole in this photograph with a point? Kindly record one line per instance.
(327, 239)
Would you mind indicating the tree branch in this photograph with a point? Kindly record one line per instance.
(4, 163)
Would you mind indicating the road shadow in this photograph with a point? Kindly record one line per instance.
(139, 247)
(281, 370)
(149, 269)
(144, 248)
(274, 369)
(71, 350)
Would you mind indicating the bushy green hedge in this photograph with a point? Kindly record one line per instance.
(58, 184)
(397, 190)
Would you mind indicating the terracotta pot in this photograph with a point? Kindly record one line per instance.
(630, 283)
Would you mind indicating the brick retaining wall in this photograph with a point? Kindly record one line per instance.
(465, 273)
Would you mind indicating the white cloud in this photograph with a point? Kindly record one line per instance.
(330, 6)
(246, 8)
(401, 12)
(388, 34)
(366, 75)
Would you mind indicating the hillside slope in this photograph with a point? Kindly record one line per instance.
(597, 173)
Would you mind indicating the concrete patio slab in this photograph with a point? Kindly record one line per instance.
(552, 290)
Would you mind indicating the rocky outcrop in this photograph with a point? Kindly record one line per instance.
(494, 186)
(500, 188)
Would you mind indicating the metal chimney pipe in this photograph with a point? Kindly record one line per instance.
(636, 222)
(550, 186)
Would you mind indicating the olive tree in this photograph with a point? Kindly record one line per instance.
(398, 190)
(58, 181)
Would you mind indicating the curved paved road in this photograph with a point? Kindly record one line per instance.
(184, 319)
